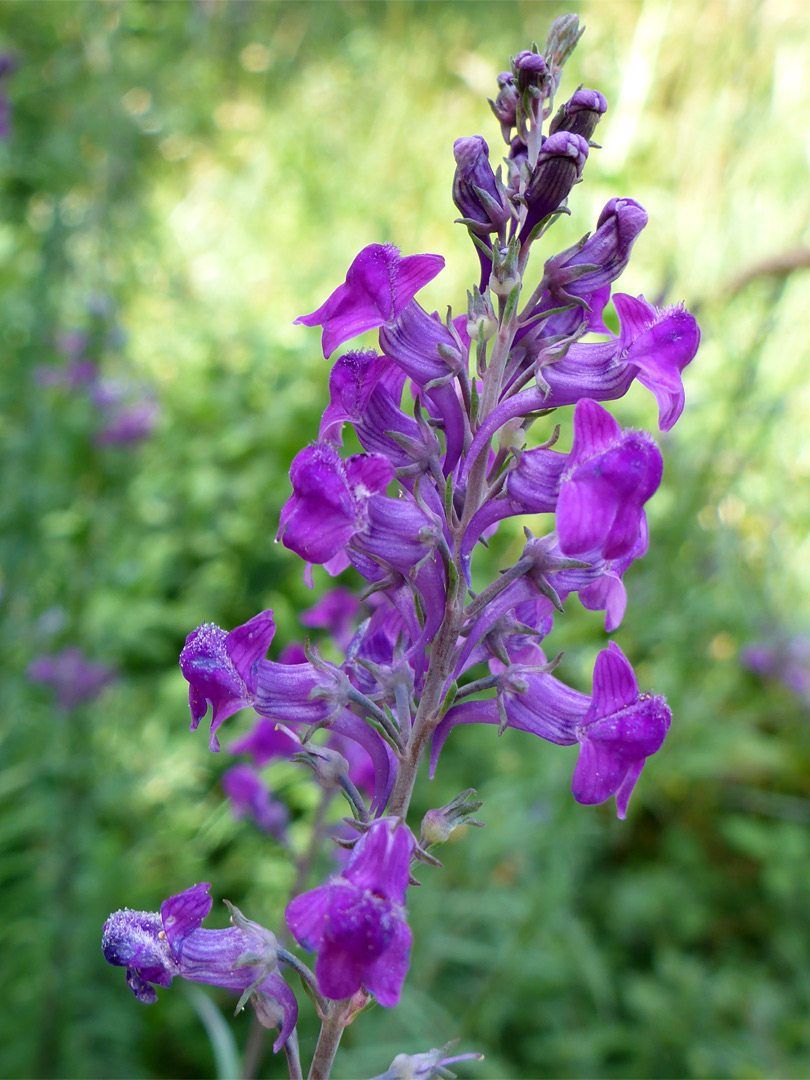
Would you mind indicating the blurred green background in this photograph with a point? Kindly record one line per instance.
(183, 179)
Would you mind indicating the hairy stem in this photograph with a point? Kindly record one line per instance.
(329, 1040)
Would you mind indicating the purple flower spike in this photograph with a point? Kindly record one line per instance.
(71, 676)
(249, 797)
(609, 476)
(356, 922)
(155, 947)
(221, 668)
(378, 286)
(621, 729)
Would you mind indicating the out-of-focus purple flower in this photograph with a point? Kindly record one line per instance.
(8, 64)
(432, 1065)
(609, 476)
(221, 668)
(129, 424)
(336, 612)
(265, 742)
(75, 374)
(249, 797)
(378, 286)
(617, 728)
(155, 947)
(73, 344)
(785, 659)
(72, 676)
(356, 921)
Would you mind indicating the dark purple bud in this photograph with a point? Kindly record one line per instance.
(559, 165)
(530, 69)
(580, 114)
(475, 189)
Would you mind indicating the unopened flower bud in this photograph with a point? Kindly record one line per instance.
(330, 767)
(559, 165)
(480, 316)
(530, 69)
(505, 272)
(505, 104)
(580, 114)
(512, 435)
(437, 825)
(475, 188)
(562, 39)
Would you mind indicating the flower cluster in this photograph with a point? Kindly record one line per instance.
(442, 409)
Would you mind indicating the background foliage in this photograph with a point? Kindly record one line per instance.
(209, 170)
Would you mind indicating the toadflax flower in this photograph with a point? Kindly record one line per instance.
(608, 477)
(220, 668)
(155, 947)
(250, 797)
(356, 921)
(379, 284)
(617, 728)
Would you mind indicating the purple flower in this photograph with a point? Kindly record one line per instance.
(336, 612)
(249, 797)
(329, 500)
(129, 424)
(609, 476)
(654, 346)
(617, 728)
(154, 948)
(621, 729)
(72, 676)
(264, 742)
(356, 922)
(220, 668)
(378, 286)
